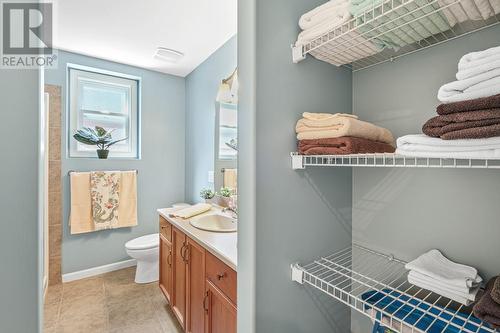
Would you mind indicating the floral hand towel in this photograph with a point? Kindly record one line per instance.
(105, 195)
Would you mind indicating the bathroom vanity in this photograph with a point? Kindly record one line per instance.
(198, 275)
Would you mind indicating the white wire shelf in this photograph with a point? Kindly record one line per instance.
(376, 285)
(389, 161)
(411, 23)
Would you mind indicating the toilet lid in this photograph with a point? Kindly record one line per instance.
(144, 242)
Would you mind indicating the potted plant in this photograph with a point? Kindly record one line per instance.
(207, 194)
(97, 136)
(224, 196)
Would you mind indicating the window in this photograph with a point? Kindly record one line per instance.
(106, 99)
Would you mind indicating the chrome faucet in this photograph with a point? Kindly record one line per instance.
(234, 210)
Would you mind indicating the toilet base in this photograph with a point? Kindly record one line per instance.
(146, 272)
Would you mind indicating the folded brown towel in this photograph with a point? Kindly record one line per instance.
(487, 309)
(495, 292)
(342, 146)
(470, 105)
(465, 125)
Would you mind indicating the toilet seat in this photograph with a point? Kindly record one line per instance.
(144, 242)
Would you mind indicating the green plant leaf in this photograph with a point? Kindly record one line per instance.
(109, 144)
(101, 132)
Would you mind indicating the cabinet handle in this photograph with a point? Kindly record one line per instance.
(186, 254)
(169, 258)
(221, 276)
(184, 249)
(205, 307)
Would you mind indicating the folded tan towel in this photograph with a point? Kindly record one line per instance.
(339, 126)
(81, 221)
(326, 116)
(192, 211)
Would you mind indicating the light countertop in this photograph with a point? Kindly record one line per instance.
(220, 244)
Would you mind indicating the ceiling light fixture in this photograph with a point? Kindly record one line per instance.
(169, 55)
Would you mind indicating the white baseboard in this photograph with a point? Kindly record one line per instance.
(98, 270)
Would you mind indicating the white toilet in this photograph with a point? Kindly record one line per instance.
(145, 250)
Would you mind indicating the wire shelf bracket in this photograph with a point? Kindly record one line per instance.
(297, 273)
(300, 162)
(376, 285)
(297, 54)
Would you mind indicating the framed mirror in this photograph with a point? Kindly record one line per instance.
(226, 146)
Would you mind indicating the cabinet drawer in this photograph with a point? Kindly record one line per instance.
(222, 276)
(165, 228)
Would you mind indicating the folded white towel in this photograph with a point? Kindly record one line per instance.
(327, 11)
(473, 59)
(476, 63)
(464, 10)
(467, 293)
(432, 285)
(479, 69)
(482, 85)
(435, 265)
(420, 145)
(341, 16)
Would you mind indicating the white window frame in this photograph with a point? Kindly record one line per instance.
(74, 72)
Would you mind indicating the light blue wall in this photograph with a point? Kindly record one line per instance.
(455, 211)
(161, 169)
(299, 214)
(19, 239)
(201, 90)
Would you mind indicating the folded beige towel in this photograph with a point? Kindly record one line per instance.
(192, 211)
(339, 125)
(325, 116)
(81, 221)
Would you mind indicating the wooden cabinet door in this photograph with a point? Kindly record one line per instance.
(220, 311)
(195, 315)
(166, 267)
(179, 246)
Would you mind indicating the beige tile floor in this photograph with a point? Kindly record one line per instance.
(108, 303)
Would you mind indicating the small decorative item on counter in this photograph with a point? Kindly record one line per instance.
(225, 192)
(224, 196)
(97, 136)
(207, 194)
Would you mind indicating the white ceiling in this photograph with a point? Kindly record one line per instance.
(129, 31)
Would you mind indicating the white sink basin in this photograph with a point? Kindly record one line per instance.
(215, 222)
